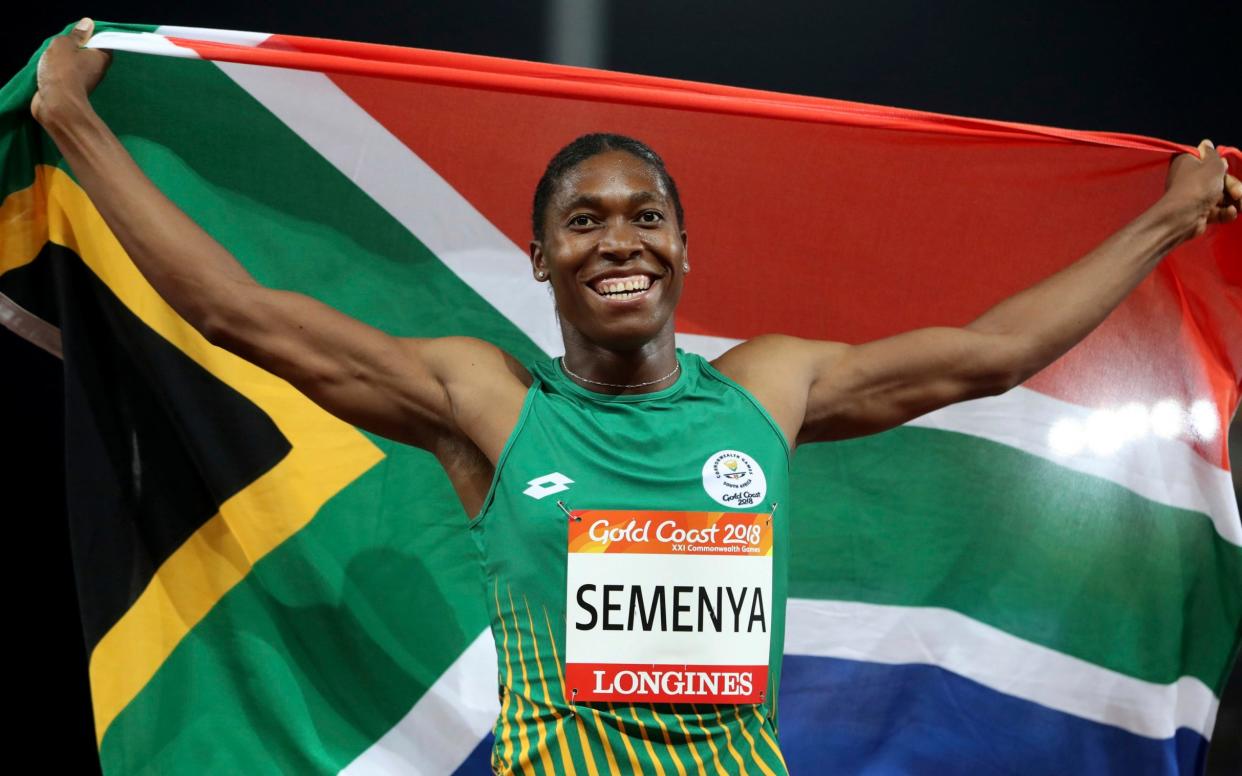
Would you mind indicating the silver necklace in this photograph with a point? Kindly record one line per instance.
(618, 385)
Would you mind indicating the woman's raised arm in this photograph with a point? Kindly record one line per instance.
(417, 391)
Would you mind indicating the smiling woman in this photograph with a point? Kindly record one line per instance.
(627, 430)
(609, 238)
(609, 235)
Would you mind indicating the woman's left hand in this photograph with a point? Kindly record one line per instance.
(1203, 186)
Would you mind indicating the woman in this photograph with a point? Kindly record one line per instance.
(626, 498)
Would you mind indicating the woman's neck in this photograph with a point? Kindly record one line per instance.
(651, 367)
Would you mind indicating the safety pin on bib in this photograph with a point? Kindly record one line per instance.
(565, 509)
(775, 504)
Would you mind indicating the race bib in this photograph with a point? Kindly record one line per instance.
(668, 607)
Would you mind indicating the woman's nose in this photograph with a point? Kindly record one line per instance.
(621, 240)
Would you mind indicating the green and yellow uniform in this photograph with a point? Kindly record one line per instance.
(702, 448)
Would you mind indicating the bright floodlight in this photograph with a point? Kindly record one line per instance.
(1204, 420)
(1167, 419)
(1067, 436)
(1132, 419)
(1104, 432)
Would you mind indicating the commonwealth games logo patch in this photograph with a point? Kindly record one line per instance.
(734, 479)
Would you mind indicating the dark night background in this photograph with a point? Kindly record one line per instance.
(1170, 72)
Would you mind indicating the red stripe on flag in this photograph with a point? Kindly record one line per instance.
(828, 219)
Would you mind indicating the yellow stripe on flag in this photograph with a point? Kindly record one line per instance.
(23, 223)
(327, 454)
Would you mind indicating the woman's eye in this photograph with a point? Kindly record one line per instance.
(580, 221)
(650, 217)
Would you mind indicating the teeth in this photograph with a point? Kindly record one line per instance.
(624, 288)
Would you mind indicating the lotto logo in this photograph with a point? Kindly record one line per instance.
(547, 485)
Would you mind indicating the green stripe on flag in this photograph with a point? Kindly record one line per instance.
(336, 632)
(1004, 537)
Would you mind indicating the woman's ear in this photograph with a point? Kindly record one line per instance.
(537, 265)
(685, 254)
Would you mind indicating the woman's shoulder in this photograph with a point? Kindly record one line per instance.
(753, 369)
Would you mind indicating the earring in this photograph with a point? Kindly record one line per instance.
(685, 267)
(541, 274)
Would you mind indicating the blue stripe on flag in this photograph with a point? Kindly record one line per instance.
(479, 761)
(846, 716)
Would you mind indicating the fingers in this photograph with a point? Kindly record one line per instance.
(82, 30)
(1226, 210)
(1233, 187)
(1223, 215)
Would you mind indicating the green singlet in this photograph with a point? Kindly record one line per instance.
(703, 447)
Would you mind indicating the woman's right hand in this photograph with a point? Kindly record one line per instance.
(67, 73)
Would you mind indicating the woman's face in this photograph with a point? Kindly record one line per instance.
(613, 251)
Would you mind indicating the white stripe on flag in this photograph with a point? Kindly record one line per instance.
(157, 42)
(445, 725)
(403, 184)
(413, 193)
(900, 635)
(139, 43)
(706, 346)
(232, 37)
(1167, 471)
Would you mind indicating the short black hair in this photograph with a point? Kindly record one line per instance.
(583, 148)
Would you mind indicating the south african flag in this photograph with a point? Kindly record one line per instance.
(1048, 581)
